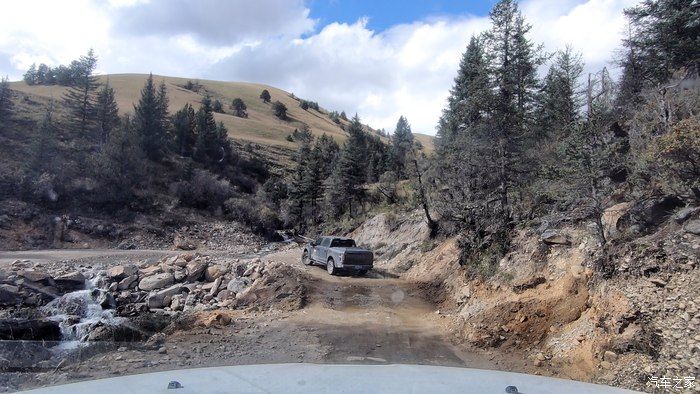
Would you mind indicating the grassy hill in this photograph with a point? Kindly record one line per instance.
(261, 127)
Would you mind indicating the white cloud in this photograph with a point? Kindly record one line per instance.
(405, 70)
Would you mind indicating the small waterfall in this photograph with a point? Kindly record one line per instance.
(80, 311)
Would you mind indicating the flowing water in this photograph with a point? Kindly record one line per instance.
(79, 312)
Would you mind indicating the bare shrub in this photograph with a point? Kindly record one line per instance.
(203, 190)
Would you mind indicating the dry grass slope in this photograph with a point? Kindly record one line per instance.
(261, 126)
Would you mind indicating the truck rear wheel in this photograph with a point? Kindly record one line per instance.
(330, 266)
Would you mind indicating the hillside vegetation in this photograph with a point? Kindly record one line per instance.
(260, 127)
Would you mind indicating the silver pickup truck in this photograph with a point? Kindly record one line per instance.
(338, 253)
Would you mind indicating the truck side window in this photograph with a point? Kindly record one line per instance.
(326, 241)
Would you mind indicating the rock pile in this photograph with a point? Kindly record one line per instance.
(28, 285)
(193, 282)
(98, 304)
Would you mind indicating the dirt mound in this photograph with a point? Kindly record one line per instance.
(281, 288)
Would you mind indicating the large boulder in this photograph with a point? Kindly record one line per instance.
(685, 214)
(692, 227)
(116, 333)
(164, 297)
(150, 270)
(611, 218)
(214, 272)
(29, 329)
(70, 282)
(128, 282)
(195, 269)
(33, 352)
(554, 237)
(10, 295)
(37, 277)
(121, 271)
(644, 217)
(157, 281)
(236, 285)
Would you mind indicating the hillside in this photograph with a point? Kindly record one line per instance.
(261, 126)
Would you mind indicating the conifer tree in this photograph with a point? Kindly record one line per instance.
(150, 119)
(349, 173)
(80, 98)
(239, 108)
(107, 112)
(120, 161)
(42, 159)
(470, 96)
(212, 145)
(329, 154)
(184, 127)
(560, 99)
(513, 64)
(265, 96)
(217, 106)
(298, 187)
(5, 101)
(280, 110)
(313, 178)
(401, 144)
(30, 75)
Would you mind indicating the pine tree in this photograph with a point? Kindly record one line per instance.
(184, 125)
(107, 112)
(120, 162)
(314, 176)
(43, 144)
(298, 187)
(265, 96)
(150, 119)
(470, 96)
(80, 98)
(329, 154)
(560, 99)
(350, 171)
(280, 110)
(401, 144)
(590, 156)
(513, 64)
(667, 34)
(212, 145)
(162, 104)
(217, 106)
(30, 75)
(378, 158)
(5, 101)
(239, 108)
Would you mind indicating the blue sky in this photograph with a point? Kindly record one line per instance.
(384, 14)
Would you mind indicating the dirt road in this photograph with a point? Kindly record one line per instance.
(345, 320)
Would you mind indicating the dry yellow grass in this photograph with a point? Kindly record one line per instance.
(261, 126)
